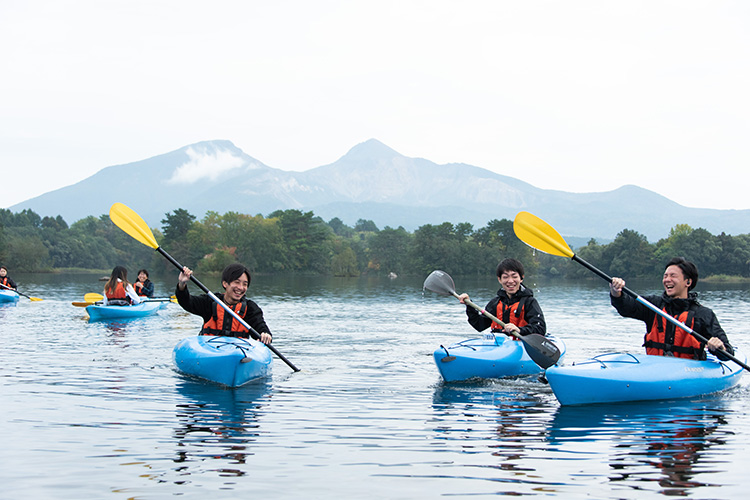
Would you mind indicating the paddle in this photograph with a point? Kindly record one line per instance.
(93, 297)
(538, 234)
(132, 223)
(97, 297)
(540, 348)
(33, 299)
(159, 299)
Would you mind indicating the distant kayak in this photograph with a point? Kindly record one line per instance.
(8, 296)
(229, 361)
(98, 312)
(489, 356)
(620, 377)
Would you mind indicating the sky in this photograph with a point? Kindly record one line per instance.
(580, 96)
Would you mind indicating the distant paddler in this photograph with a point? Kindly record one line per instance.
(6, 281)
(117, 290)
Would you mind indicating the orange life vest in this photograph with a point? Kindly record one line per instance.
(138, 287)
(5, 281)
(119, 293)
(223, 323)
(667, 339)
(513, 313)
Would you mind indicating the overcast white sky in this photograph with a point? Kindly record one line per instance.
(572, 95)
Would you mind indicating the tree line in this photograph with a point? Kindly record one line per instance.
(294, 241)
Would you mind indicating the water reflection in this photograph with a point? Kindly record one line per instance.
(668, 447)
(219, 424)
(666, 443)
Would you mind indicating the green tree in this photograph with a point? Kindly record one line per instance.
(629, 255)
(437, 247)
(363, 225)
(306, 239)
(340, 229)
(344, 260)
(175, 229)
(389, 249)
(26, 253)
(735, 254)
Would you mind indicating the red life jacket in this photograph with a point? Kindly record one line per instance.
(513, 313)
(667, 339)
(119, 293)
(5, 281)
(223, 323)
(138, 287)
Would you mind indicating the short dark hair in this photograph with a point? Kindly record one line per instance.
(509, 265)
(689, 270)
(234, 271)
(142, 271)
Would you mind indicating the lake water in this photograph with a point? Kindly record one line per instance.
(96, 410)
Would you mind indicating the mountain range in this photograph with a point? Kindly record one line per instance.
(372, 182)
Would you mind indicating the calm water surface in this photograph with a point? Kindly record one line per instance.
(95, 410)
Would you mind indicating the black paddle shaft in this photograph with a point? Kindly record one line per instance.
(12, 290)
(203, 287)
(540, 349)
(648, 304)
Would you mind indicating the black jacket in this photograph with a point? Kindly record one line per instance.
(202, 305)
(532, 313)
(704, 321)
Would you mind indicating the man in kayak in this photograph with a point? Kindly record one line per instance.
(216, 321)
(5, 279)
(514, 304)
(663, 338)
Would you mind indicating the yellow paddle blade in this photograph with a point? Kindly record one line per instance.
(81, 304)
(132, 223)
(538, 234)
(90, 298)
(35, 299)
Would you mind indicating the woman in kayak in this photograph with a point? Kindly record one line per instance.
(663, 338)
(144, 287)
(5, 279)
(216, 321)
(514, 304)
(117, 290)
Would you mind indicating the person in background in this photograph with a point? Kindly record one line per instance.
(216, 321)
(664, 338)
(514, 304)
(117, 290)
(144, 287)
(5, 280)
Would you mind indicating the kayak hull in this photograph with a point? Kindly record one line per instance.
(489, 356)
(228, 361)
(7, 296)
(98, 312)
(622, 377)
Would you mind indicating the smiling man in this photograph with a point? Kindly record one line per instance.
(514, 304)
(235, 279)
(663, 338)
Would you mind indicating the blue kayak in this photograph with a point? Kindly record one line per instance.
(99, 312)
(489, 356)
(620, 377)
(229, 361)
(8, 296)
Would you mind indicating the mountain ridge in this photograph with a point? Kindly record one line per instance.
(371, 181)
